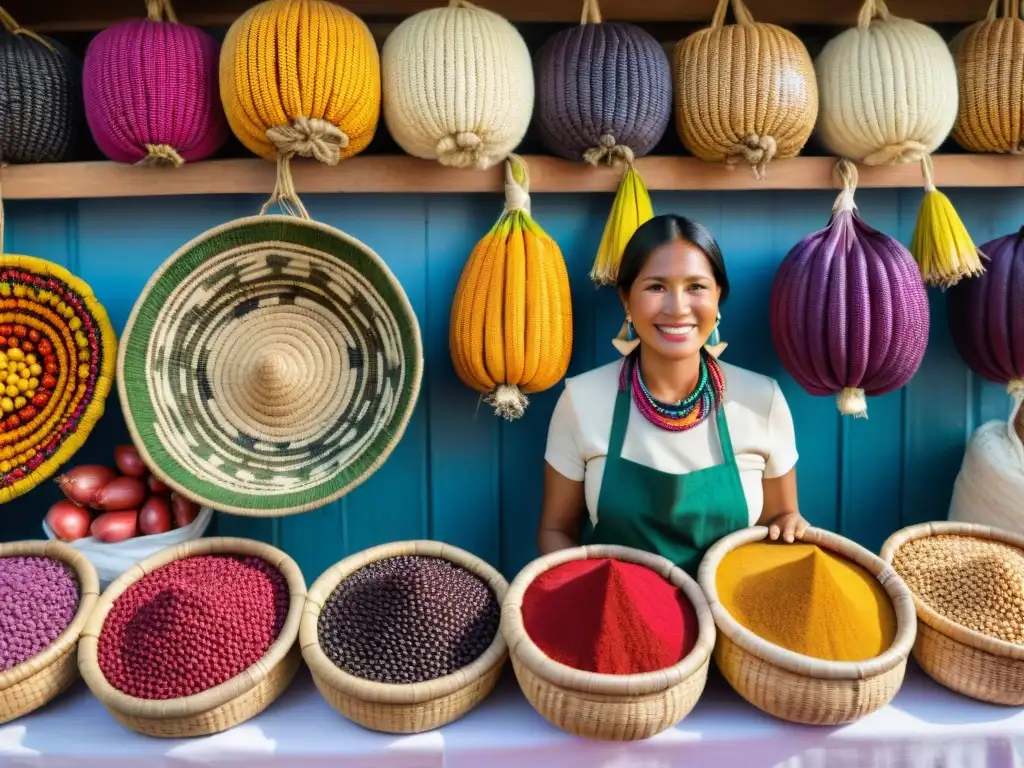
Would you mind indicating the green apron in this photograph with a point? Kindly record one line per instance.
(676, 516)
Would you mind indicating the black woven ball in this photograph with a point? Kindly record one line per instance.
(40, 99)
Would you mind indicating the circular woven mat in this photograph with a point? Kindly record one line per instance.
(57, 352)
(269, 366)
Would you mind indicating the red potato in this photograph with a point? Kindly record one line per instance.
(155, 516)
(68, 521)
(156, 485)
(120, 493)
(82, 483)
(129, 462)
(116, 526)
(185, 511)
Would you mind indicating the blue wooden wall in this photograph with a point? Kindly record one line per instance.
(460, 474)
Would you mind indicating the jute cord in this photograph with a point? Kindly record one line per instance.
(609, 151)
(161, 10)
(161, 154)
(739, 10)
(591, 12)
(848, 178)
(464, 149)
(1011, 10)
(869, 10)
(13, 27)
(757, 151)
(305, 137)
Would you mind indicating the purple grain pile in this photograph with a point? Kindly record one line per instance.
(38, 600)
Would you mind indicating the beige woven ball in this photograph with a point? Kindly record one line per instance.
(888, 89)
(989, 57)
(457, 85)
(744, 92)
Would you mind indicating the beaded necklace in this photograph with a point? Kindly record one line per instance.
(687, 413)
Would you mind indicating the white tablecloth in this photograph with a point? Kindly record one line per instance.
(926, 726)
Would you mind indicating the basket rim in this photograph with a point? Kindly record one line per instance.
(929, 615)
(585, 682)
(211, 698)
(89, 594)
(397, 693)
(797, 663)
(413, 337)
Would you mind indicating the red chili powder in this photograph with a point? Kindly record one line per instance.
(191, 625)
(609, 616)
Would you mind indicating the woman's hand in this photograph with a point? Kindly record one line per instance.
(779, 508)
(790, 526)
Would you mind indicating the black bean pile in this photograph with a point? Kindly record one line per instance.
(408, 619)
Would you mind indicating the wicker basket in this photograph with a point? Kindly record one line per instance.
(803, 689)
(40, 679)
(968, 662)
(602, 706)
(395, 708)
(223, 706)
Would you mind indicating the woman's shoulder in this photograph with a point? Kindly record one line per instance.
(598, 382)
(754, 391)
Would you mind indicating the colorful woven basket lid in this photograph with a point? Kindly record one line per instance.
(57, 354)
(269, 366)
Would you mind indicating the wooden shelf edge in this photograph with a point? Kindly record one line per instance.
(398, 174)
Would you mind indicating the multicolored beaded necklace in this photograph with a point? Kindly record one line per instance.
(687, 413)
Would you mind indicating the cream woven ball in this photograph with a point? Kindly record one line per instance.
(457, 85)
(888, 89)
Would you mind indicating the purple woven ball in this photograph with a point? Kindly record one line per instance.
(600, 86)
(849, 312)
(151, 91)
(986, 313)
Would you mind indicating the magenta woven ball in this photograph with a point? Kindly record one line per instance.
(151, 92)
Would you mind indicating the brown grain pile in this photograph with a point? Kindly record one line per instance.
(977, 583)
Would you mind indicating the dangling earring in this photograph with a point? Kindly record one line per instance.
(626, 341)
(630, 333)
(714, 345)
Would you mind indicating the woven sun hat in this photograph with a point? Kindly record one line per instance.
(269, 366)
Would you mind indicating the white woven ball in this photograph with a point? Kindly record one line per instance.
(888, 91)
(457, 86)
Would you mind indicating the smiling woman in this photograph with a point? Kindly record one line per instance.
(669, 449)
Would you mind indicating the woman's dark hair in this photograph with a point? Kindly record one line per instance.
(659, 231)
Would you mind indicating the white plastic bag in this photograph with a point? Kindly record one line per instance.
(113, 559)
(989, 488)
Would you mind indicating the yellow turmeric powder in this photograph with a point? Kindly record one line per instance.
(807, 600)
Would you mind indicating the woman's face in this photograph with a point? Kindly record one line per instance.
(674, 301)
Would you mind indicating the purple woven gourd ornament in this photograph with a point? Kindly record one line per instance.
(604, 91)
(986, 314)
(849, 310)
(152, 90)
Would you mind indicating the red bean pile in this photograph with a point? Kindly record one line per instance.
(408, 619)
(192, 625)
(38, 600)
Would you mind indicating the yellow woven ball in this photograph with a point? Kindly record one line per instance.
(458, 85)
(302, 74)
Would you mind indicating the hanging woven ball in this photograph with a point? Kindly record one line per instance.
(301, 77)
(744, 92)
(986, 314)
(458, 85)
(626, 114)
(849, 312)
(989, 58)
(150, 88)
(40, 96)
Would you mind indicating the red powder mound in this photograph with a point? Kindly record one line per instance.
(609, 616)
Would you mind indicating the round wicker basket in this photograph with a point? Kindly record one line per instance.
(965, 661)
(40, 679)
(799, 688)
(602, 706)
(223, 706)
(395, 708)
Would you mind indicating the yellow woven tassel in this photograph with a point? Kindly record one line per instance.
(631, 208)
(941, 245)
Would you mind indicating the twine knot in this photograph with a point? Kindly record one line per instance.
(1015, 388)
(464, 149)
(757, 151)
(894, 154)
(161, 154)
(609, 151)
(309, 137)
(848, 176)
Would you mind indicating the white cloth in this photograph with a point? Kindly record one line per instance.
(925, 726)
(760, 424)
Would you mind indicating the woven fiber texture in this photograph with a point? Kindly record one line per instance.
(604, 91)
(40, 96)
(986, 313)
(458, 86)
(56, 365)
(305, 71)
(151, 92)
(269, 366)
(848, 311)
(989, 58)
(744, 92)
(888, 89)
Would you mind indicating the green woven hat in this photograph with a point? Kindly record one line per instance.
(269, 366)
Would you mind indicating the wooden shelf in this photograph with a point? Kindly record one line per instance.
(402, 174)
